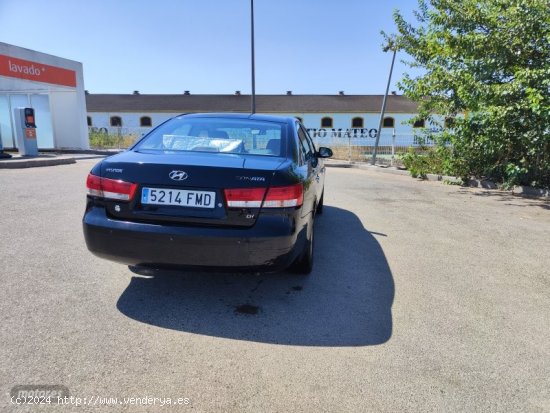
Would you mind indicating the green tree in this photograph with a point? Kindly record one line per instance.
(485, 64)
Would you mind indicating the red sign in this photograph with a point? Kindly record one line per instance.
(30, 133)
(38, 72)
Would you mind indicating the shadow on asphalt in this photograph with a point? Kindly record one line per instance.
(346, 301)
(521, 201)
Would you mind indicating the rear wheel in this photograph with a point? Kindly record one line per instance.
(319, 209)
(304, 263)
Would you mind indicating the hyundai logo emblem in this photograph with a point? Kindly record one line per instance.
(178, 175)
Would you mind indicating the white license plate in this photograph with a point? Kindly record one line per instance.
(181, 197)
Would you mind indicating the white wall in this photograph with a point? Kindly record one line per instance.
(129, 119)
(67, 125)
(312, 121)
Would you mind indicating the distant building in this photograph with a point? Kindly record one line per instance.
(53, 86)
(325, 116)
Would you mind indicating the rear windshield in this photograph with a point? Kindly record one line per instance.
(237, 136)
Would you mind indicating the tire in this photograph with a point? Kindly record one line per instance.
(304, 264)
(319, 209)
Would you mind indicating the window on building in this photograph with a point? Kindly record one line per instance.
(389, 122)
(419, 123)
(89, 119)
(145, 121)
(116, 121)
(357, 123)
(326, 122)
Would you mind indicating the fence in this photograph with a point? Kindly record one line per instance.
(354, 145)
(357, 145)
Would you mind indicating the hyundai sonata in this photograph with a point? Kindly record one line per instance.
(228, 192)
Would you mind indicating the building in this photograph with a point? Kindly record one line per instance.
(330, 119)
(53, 86)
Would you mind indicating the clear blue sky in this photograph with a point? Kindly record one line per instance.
(168, 46)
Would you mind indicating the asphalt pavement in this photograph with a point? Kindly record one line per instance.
(424, 297)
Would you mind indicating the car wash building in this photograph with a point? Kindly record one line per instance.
(53, 87)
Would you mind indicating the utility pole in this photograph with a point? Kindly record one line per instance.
(253, 109)
(382, 112)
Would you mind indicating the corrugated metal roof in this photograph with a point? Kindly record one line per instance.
(241, 103)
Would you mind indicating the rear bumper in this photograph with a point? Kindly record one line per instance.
(272, 244)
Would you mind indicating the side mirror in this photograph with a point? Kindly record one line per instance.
(324, 152)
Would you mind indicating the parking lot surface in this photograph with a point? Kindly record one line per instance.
(424, 297)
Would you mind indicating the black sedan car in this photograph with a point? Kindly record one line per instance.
(226, 192)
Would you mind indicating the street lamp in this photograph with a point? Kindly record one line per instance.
(253, 109)
(390, 46)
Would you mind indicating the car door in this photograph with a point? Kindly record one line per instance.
(311, 163)
(319, 166)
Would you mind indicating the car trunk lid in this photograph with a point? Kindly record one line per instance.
(192, 186)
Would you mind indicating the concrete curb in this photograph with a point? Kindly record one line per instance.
(524, 191)
(366, 166)
(531, 192)
(35, 162)
(106, 152)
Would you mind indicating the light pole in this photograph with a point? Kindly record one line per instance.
(253, 108)
(390, 46)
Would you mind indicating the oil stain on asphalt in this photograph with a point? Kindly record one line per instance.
(250, 309)
(247, 309)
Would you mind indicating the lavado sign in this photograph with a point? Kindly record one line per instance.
(38, 72)
(32, 70)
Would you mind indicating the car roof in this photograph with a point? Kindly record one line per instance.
(255, 116)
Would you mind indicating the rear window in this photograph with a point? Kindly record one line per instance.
(237, 136)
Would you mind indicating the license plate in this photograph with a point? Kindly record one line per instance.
(180, 197)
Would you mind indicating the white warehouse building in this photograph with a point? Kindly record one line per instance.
(329, 118)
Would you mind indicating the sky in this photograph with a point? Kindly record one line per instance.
(169, 46)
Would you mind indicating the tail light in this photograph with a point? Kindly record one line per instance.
(244, 197)
(277, 197)
(284, 196)
(110, 188)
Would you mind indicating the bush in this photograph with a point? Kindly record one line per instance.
(101, 140)
(422, 162)
(485, 63)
